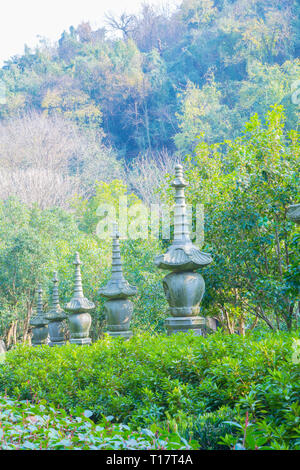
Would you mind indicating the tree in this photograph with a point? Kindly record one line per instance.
(246, 193)
(49, 160)
(125, 23)
(202, 115)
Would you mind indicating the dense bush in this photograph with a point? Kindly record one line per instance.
(204, 386)
(39, 426)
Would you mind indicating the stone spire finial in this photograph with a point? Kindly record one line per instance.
(39, 319)
(117, 286)
(39, 322)
(182, 255)
(56, 317)
(55, 295)
(78, 292)
(39, 308)
(181, 226)
(78, 303)
(56, 312)
(116, 267)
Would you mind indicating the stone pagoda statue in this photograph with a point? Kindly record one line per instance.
(184, 288)
(56, 317)
(79, 308)
(118, 308)
(39, 322)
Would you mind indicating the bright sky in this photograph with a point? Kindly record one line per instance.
(22, 21)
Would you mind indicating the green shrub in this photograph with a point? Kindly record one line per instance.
(208, 428)
(159, 379)
(40, 426)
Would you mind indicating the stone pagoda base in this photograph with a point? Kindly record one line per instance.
(80, 341)
(185, 324)
(58, 343)
(120, 334)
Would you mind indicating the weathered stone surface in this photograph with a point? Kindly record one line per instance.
(2, 347)
(184, 292)
(78, 308)
(183, 287)
(56, 317)
(184, 324)
(118, 308)
(39, 323)
(293, 213)
(56, 333)
(118, 314)
(211, 323)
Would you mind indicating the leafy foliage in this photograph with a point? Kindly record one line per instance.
(246, 191)
(140, 88)
(39, 426)
(192, 384)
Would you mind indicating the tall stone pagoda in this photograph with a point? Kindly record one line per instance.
(56, 317)
(184, 288)
(118, 308)
(39, 322)
(78, 308)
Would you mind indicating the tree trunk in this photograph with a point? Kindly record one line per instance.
(229, 324)
(242, 326)
(253, 324)
(15, 332)
(26, 324)
(11, 335)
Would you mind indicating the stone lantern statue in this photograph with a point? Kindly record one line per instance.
(79, 307)
(184, 288)
(293, 213)
(39, 323)
(56, 317)
(118, 308)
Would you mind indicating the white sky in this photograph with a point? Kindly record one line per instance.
(22, 21)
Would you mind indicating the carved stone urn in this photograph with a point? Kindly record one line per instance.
(118, 308)
(39, 323)
(56, 318)
(78, 308)
(184, 288)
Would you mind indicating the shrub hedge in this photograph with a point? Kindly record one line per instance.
(207, 388)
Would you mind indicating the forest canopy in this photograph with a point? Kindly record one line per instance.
(165, 76)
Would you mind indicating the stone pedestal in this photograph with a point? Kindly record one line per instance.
(80, 324)
(118, 314)
(40, 335)
(78, 308)
(118, 308)
(185, 324)
(56, 332)
(184, 292)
